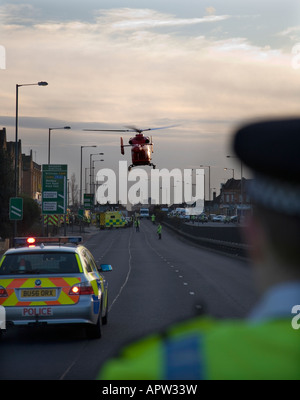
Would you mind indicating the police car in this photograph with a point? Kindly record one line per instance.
(50, 281)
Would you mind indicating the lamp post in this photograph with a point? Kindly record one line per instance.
(51, 129)
(227, 169)
(91, 155)
(81, 147)
(241, 184)
(207, 166)
(42, 83)
(94, 185)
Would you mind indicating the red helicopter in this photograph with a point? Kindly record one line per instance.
(141, 146)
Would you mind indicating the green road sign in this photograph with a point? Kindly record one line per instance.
(16, 208)
(80, 213)
(88, 201)
(54, 189)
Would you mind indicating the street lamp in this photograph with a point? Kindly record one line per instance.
(207, 166)
(94, 183)
(51, 129)
(226, 169)
(91, 155)
(81, 147)
(241, 183)
(42, 83)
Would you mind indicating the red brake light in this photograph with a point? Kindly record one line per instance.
(3, 292)
(81, 289)
(31, 240)
(75, 290)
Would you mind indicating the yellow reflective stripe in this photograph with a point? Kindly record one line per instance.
(72, 281)
(65, 299)
(11, 300)
(30, 282)
(79, 263)
(5, 282)
(1, 261)
(95, 287)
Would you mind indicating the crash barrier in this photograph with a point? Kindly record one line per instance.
(225, 238)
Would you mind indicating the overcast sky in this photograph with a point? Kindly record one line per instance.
(206, 66)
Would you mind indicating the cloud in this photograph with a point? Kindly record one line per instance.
(242, 47)
(18, 14)
(293, 33)
(137, 76)
(123, 69)
(143, 19)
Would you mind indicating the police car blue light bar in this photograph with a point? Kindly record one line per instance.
(31, 241)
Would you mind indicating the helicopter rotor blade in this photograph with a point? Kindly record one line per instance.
(131, 129)
(162, 127)
(134, 129)
(107, 130)
(149, 129)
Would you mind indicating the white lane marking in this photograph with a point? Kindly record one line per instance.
(127, 276)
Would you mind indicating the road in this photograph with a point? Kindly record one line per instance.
(153, 283)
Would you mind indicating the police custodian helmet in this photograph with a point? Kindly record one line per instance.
(271, 149)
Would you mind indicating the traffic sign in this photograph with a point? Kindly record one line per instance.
(80, 213)
(16, 208)
(88, 201)
(54, 189)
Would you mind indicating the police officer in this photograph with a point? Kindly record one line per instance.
(159, 229)
(267, 344)
(153, 219)
(137, 224)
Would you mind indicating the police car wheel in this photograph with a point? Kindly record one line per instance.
(94, 331)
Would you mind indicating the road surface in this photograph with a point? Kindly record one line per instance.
(153, 283)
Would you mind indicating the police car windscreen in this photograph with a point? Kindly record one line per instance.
(39, 263)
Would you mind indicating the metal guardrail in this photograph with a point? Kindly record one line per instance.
(237, 249)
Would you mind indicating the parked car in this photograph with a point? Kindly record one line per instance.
(219, 218)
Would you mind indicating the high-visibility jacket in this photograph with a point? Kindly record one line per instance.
(205, 349)
(159, 228)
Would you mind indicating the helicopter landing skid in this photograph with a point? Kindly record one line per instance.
(131, 166)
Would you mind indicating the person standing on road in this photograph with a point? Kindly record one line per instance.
(153, 219)
(137, 225)
(267, 344)
(159, 229)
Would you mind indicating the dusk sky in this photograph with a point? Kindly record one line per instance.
(205, 66)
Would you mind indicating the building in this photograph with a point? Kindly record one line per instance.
(31, 178)
(233, 197)
(29, 173)
(10, 148)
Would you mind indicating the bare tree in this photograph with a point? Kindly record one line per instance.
(73, 191)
